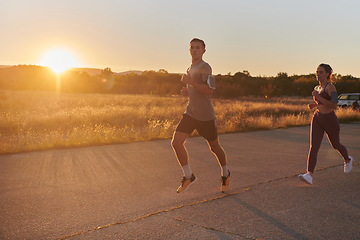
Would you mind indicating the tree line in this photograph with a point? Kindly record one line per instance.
(161, 82)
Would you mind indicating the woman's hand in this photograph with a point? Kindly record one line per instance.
(312, 105)
(315, 93)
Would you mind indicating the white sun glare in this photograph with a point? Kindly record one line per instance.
(59, 60)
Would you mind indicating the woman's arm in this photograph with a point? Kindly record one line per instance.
(327, 103)
(312, 105)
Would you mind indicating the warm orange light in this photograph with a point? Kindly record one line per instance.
(59, 60)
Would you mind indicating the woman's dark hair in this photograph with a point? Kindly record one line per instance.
(328, 69)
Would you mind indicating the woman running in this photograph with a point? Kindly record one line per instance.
(324, 120)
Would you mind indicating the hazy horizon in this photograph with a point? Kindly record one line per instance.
(262, 37)
(98, 70)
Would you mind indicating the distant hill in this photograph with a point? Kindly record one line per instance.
(128, 72)
(90, 71)
(96, 71)
(5, 66)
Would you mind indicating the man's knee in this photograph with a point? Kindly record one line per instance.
(175, 143)
(178, 140)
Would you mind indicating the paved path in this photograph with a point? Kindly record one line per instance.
(128, 191)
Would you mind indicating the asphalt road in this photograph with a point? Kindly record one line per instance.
(128, 191)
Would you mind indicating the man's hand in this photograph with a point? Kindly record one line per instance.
(186, 79)
(184, 92)
(203, 88)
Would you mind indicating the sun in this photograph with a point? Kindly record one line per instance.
(59, 60)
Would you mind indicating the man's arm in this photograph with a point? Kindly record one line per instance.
(203, 88)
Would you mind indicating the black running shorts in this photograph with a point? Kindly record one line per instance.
(206, 129)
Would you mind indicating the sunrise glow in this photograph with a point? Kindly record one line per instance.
(59, 60)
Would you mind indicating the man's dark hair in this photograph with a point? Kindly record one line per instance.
(198, 40)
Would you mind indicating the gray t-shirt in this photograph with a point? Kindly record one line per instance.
(199, 105)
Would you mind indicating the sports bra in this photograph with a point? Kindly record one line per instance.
(324, 95)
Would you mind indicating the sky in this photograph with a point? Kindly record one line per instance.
(263, 37)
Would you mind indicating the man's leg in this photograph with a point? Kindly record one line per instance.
(221, 157)
(218, 152)
(178, 144)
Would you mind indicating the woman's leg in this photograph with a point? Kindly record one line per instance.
(316, 136)
(332, 129)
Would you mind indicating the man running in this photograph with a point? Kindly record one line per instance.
(199, 115)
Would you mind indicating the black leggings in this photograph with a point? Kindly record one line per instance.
(321, 123)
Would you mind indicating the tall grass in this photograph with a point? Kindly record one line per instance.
(32, 121)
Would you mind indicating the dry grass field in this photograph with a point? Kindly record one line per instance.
(32, 121)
